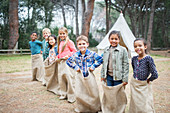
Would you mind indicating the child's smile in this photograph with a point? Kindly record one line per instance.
(114, 40)
(139, 47)
(82, 46)
(34, 36)
(51, 41)
(62, 35)
(46, 34)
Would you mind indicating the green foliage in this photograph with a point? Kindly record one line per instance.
(92, 41)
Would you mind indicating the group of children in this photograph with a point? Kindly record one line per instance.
(114, 72)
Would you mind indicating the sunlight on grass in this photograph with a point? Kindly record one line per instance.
(15, 63)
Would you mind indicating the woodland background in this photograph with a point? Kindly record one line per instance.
(149, 19)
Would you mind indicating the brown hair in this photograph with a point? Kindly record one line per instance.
(115, 32)
(82, 37)
(58, 38)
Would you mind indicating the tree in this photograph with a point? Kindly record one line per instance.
(13, 23)
(76, 18)
(150, 25)
(87, 18)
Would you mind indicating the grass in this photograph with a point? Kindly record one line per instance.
(18, 63)
(15, 63)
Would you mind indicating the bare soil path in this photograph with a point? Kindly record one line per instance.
(18, 94)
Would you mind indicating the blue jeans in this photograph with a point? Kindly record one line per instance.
(111, 82)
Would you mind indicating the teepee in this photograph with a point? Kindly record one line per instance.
(126, 40)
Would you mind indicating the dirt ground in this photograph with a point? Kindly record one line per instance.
(18, 94)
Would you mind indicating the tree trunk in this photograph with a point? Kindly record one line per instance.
(146, 20)
(63, 12)
(150, 25)
(107, 17)
(13, 23)
(87, 18)
(76, 14)
(83, 5)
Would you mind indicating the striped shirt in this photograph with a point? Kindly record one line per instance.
(83, 62)
(143, 68)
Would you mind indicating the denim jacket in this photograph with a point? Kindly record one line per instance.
(120, 66)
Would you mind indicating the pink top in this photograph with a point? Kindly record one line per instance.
(68, 50)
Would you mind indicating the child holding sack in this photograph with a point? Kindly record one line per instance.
(66, 48)
(51, 67)
(114, 72)
(141, 87)
(46, 33)
(38, 71)
(86, 89)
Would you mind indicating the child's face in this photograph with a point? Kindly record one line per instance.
(46, 34)
(82, 45)
(139, 47)
(62, 35)
(51, 41)
(114, 40)
(34, 36)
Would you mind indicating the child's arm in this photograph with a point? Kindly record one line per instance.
(99, 60)
(72, 47)
(70, 63)
(102, 74)
(125, 67)
(152, 68)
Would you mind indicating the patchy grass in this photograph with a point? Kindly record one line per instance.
(15, 63)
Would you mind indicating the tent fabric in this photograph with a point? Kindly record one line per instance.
(127, 36)
(51, 77)
(66, 78)
(114, 99)
(87, 93)
(141, 97)
(38, 71)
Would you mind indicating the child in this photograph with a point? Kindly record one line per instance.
(141, 90)
(37, 61)
(66, 48)
(86, 89)
(51, 74)
(52, 39)
(46, 33)
(114, 72)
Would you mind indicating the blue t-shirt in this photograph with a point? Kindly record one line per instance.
(35, 47)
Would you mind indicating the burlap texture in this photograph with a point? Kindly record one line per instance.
(66, 77)
(114, 99)
(87, 94)
(38, 71)
(51, 77)
(141, 97)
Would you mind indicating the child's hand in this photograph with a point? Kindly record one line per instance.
(78, 70)
(148, 81)
(103, 79)
(125, 83)
(91, 69)
(66, 57)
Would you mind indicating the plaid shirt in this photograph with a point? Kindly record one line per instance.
(77, 60)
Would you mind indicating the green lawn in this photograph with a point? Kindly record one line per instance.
(15, 63)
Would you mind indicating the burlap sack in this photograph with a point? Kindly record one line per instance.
(114, 99)
(51, 77)
(141, 97)
(38, 71)
(66, 77)
(87, 94)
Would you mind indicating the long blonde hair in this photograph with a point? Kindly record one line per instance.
(58, 38)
